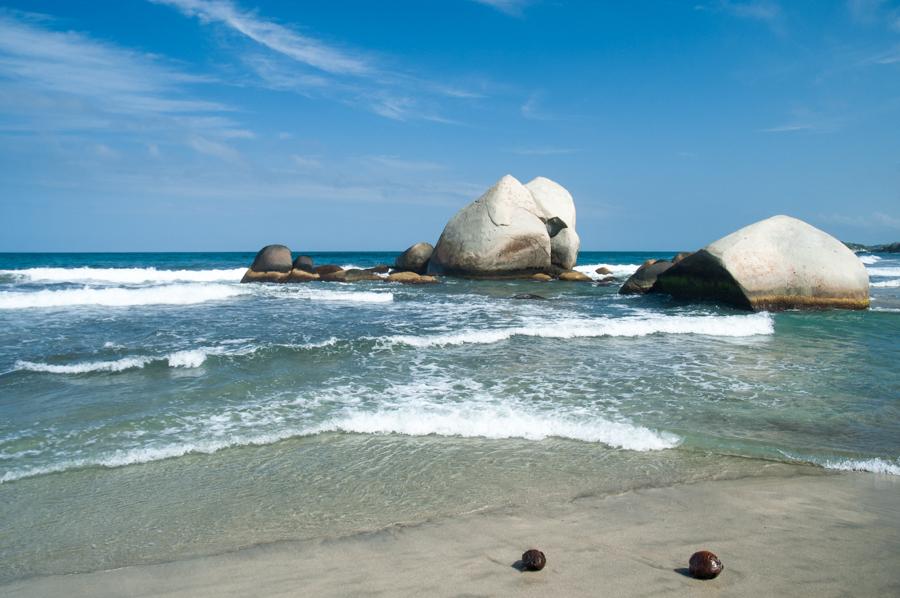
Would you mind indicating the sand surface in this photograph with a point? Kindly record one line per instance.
(822, 534)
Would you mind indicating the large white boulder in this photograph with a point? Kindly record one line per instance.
(502, 233)
(555, 202)
(777, 263)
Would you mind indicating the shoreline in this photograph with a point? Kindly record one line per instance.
(810, 534)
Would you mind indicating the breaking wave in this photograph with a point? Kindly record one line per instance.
(730, 326)
(126, 275)
(173, 294)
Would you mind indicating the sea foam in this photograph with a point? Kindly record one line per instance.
(869, 259)
(497, 422)
(617, 270)
(126, 275)
(172, 294)
(728, 326)
(882, 466)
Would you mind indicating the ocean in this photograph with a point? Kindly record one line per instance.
(152, 408)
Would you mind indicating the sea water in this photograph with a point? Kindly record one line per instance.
(153, 408)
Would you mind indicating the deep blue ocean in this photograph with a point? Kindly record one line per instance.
(151, 407)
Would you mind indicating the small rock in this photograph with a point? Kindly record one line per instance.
(379, 269)
(603, 270)
(304, 262)
(680, 256)
(540, 276)
(533, 560)
(327, 269)
(575, 276)
(705, 565)
(410, 278)
(299, 275)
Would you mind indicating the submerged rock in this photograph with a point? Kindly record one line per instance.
(645, 277)
(533, 560)
(777, 263)
(705, 565)
(271, 264)
(541, 277)
(529, 297)
(415, 259)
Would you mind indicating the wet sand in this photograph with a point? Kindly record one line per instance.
(813, 534)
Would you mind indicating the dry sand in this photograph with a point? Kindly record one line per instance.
(818, 534)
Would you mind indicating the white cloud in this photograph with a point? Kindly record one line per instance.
(306, 162)
(397, 163)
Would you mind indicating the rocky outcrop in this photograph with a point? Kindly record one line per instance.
(415, 259)
(777, 263)
(297, 275)
(645, 277)
(357, 275)
(509, 232)
(271, 264)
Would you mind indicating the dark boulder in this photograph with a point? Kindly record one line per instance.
(272, 258)
(533, 560)
(642, 281)
(415, 259)
(305, 263)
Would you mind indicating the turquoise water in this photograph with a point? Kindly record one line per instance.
(152, 408)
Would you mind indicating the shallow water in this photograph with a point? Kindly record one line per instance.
(151, 407)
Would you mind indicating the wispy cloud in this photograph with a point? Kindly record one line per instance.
(874, 220)
(274, 36)
(67, 81)
(398, 163)
(290, 61)
(514, 8)
(212, 148)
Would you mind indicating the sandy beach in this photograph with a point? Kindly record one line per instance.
(810, 534)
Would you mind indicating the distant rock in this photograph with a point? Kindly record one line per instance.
(603, 270)
(680, 256)
(411, 278)
(885, 248)
(529, 297)
(304, 262)
(415, 259)
(644, 278)
(271, 264)
(777, 263)
(511, 231)
(379, 269)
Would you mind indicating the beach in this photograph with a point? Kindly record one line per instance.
(796, 532)
(168, 430)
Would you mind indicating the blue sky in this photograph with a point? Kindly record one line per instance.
(226, 125)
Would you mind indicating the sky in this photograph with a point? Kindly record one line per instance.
(226, 125)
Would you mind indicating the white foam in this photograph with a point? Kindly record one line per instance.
(889, 284)
(760, 323)
(882, 466)
(127, 275)
(884, 272)
(869, 259)
(618, 270)
(174, 294)
(497, 421)
(332, 295)
(187, 359)
(118, 365)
